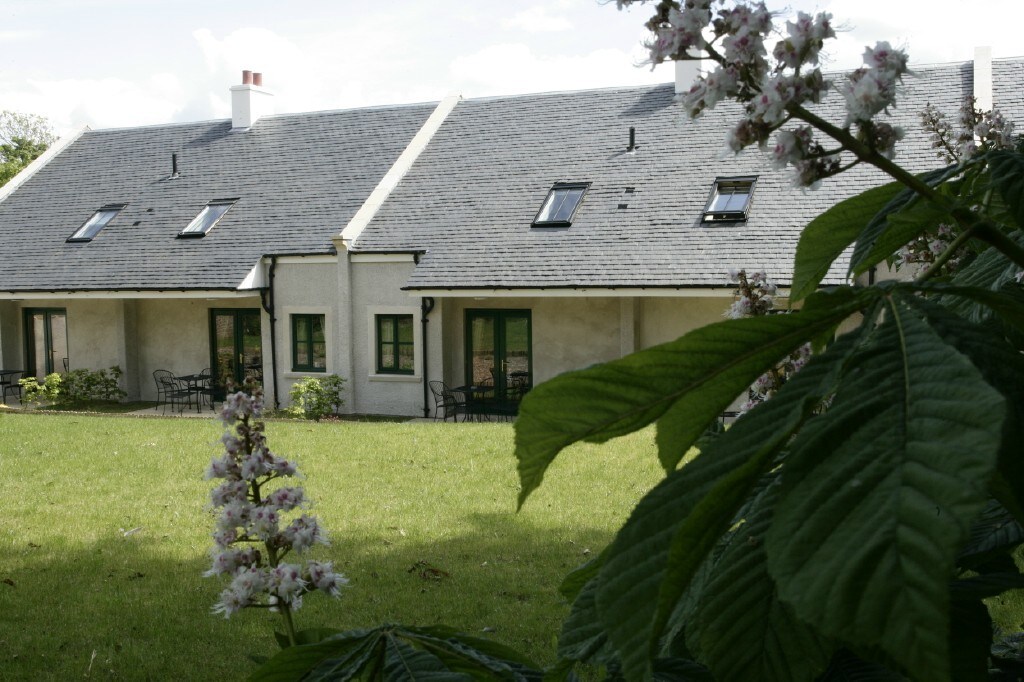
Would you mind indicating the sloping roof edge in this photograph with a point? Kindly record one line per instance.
(41, 161)
(555, 291)
(397, 171)
(77, 293)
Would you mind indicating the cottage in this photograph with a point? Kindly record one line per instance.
(151, 248)
(495, 241)
(544, 233)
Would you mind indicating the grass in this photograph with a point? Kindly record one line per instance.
(100, 406)
(104, 537)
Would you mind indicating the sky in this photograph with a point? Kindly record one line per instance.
(117, 63)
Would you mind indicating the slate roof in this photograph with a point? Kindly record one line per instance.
(469, 200)
(298, 179)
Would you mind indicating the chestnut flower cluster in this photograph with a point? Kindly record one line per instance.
(252, 537)
(774, 91)
(978, 131)
(928, 246)
(755, 296)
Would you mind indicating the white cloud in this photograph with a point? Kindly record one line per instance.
(942, 31)
(537, 20)
(515, 67)
(19, 36)
(329, 70)
(248, 48)
(344, 56)
(100, 102)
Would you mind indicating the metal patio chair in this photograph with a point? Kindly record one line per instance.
(448, 402)
(169, 391)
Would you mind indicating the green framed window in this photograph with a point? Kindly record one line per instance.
(309, 343)
(395, 347)
(46, 341)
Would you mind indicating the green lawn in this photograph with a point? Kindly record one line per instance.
(104, 536)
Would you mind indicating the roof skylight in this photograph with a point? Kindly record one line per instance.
(560, 205)
(207, 218)
(97, 222)
(730, 199)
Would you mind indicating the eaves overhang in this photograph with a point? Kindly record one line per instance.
(37, 294)
(708, 291)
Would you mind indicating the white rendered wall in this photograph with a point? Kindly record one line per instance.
(567, 333)
(305, 288)
(376, 289)
(175, 335)
(666, 319)
(101, 334)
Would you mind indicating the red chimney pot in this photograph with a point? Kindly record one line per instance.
(257, 80)
(246, 77)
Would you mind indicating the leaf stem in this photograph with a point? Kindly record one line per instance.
(283, 607)
(973, 225)
(987, 231)
(941, 259)
(286, 613)
(866, 153)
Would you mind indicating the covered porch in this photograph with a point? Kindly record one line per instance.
(141, 332)
(494, 346)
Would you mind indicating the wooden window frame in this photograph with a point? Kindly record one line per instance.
(297, 345)
(393, 319)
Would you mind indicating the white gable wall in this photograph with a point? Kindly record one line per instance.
(101, 333)
(301, 288)
(376, 288)
(174, 334)
(666, 319)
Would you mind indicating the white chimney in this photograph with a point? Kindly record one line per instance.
(249, 101)
(687, 71)
(983, 78)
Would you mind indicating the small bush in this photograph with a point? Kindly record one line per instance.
(77, 386)
(33, 392)
(82, 385)
(316, 397)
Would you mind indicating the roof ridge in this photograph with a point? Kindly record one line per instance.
(294, 114)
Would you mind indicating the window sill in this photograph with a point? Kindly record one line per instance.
(400, 378)
(711, 218)
(302, 373)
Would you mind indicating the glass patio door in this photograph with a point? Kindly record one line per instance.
(236, 345)
(46, 341)
(498, 351)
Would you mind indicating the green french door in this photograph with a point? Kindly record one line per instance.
(46, 341)
(499, 351)
(236, 347)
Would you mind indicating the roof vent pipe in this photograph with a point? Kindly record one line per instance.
(632, 140)
(174, 166)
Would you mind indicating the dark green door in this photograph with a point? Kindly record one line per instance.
(498, 351)
(236, 347)
(46, 341)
